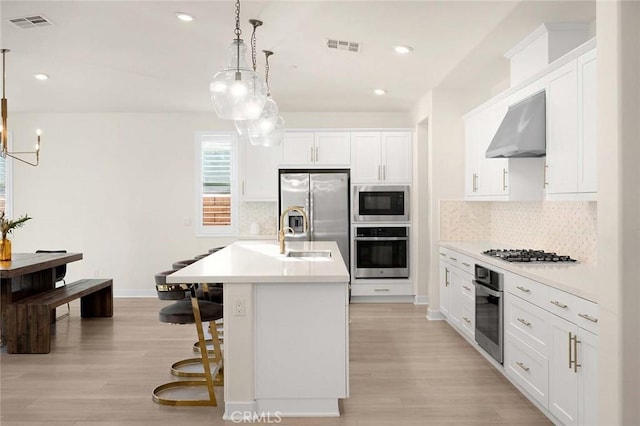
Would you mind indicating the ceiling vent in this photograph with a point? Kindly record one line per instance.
(31, 21)
(349, 46)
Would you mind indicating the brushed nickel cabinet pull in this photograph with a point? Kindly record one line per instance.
(443, 254)
(526, 290)
(573, 338)
(381, 289)
(316, 154)
(588, 317)
(242, 187)
(379, 172)
(525, 322)
(384, 172)
(466, 287)
(521, 365)
(446, 277)
(558, 304)
(467, 320)
(453, 258)
(504, 179)
(545, 183)
(311, 158)
(474, 185)
(466, 264)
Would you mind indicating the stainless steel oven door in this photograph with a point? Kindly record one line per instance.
(381, 257)
(489, 326)
(378, 203)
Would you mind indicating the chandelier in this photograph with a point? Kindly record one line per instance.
(4, 151)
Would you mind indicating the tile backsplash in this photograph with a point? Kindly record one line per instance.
(258, 218)
(565, 227)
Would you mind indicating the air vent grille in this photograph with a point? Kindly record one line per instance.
(350, 46)
(31, 21)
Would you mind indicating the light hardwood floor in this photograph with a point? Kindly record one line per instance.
(404, 370)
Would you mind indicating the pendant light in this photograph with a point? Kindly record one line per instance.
(241, 125)
(268, 129)
(237, 92)
(4, 151)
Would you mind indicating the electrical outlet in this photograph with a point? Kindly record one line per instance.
(239, 308)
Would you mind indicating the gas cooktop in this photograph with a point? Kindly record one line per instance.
(527, 255)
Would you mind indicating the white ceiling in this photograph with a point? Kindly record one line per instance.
(135, 56)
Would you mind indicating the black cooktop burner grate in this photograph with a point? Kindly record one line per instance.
(527, 255)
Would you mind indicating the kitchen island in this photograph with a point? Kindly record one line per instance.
(286, 340)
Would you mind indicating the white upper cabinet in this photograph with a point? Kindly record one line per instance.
(587, 127)
(572, 130)
(569, 170)
(381, 157)
(484, 176)
(317, 149)
(260, 172)
(562, 130)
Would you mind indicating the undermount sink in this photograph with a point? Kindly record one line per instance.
(309, 253)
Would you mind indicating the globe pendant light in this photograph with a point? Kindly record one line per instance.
(241, 125)
(237, 92)
(268, 129)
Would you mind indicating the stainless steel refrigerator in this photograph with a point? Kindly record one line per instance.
(325, 198)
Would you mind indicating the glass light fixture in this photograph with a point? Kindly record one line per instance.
(237, 92)
(268, 129)
(4, 131)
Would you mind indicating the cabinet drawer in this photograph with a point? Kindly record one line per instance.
(527, 289)
(466, 263)
(574, 309)
(462, 262)
(468, 290)
(392, 289)
(468, 320)
(527, 368)
(528, 322)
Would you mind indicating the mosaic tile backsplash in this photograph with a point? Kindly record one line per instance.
(565, 227)
(258, 218)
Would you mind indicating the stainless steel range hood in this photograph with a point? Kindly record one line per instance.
(522, 132)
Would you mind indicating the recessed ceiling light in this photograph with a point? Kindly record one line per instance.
(184, 16)
(379, 92)
(41, 76)
(402, 50)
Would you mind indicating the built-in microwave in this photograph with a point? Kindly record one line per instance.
(380, 203)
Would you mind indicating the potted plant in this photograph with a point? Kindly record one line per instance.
(6, 227)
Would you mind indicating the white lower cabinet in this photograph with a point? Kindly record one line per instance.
(549, 352)
(457, 292)
(527, 368)
(573, 396)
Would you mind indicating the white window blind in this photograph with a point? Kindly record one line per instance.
(216, 183)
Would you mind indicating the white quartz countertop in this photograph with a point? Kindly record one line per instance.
(576, 278)
(261, 262)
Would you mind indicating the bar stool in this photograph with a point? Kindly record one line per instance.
(192, 311)
(182, 263)
(177, 292)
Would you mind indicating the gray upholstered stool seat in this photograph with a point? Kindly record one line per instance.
(215, 249)
(181, 312)
(169, 291)
(182, 263)
(201, 256)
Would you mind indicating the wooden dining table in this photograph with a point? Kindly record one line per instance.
(27, 274)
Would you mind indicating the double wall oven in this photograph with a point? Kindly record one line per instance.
(381, 234)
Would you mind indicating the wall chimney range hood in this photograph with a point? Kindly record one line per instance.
(522, 132)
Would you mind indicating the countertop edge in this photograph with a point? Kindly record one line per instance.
(514, 269)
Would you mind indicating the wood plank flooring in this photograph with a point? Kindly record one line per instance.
(404, 370)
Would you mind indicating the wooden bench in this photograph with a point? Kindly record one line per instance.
(29, 320)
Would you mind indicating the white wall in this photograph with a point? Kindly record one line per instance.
(619, 211)
(118, 188)
(441, 170)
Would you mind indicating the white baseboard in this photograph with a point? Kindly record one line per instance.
(134, 293)
(239, 411)
(434, 315)
(421, 300)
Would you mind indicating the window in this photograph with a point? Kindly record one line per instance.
(215, 179)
